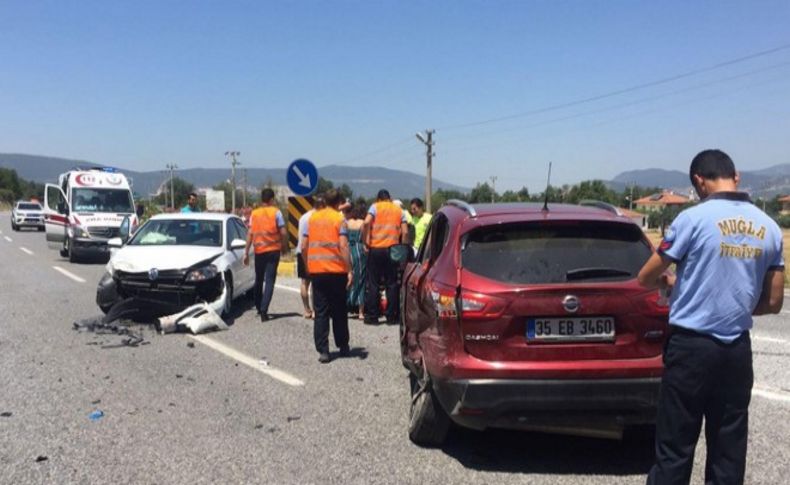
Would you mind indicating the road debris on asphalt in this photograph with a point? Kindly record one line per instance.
(294, 418)
(96, 415)
(6, 414)
(198, 318)
(41, 458)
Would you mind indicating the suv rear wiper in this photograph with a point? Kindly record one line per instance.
(588, 273)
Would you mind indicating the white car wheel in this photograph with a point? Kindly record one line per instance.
(228, 296)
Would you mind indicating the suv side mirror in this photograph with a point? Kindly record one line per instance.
(401, 253)
(124, 229)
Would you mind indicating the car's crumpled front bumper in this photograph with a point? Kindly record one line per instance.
(162, 298)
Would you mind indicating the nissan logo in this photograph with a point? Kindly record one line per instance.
(571, 304)
(153, 274)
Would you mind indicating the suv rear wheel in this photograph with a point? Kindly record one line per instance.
(428, 423)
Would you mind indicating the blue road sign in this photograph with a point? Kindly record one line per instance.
(302, 177)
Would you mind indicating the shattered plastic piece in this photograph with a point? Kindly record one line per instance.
(198, 318)
(191, 345)
(96, 415)
(294, 418)
(264, 362)
(104, 326)
(41, 458)
(6, 414)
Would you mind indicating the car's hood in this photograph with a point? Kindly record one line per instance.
(142, 258)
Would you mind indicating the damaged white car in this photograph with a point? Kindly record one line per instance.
(176, 261)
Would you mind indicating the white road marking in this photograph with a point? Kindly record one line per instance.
(245, 359)
(288, 288)
(8, 239)
(26, 250)
(68, 274)
(770, 339)
(772, 394)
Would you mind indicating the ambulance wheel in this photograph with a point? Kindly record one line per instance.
(72, 255)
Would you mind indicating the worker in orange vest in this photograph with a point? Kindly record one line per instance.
(325, 252)
(268, 236)
(385, 225)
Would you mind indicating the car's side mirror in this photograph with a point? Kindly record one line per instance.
(63, 208)
(125, 229)
(115, 243)
(238, 244)
(401, 253)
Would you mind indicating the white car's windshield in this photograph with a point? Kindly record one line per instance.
(179, 232)
(28, 207)
(102, 200)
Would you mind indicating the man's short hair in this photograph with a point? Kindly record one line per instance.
(319, 202)
(383, 195)
(418, 202)
(712, 165)
(332, 197)
(192, 194)
(267, 195)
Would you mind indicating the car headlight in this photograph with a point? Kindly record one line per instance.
(78, 231)
(202, 274)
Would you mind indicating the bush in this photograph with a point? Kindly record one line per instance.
(784, 221)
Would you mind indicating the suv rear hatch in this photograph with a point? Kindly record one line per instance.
(558, 290)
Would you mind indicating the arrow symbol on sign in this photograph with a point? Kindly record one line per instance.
(304, 180)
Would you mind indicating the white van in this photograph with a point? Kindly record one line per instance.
(85, 209)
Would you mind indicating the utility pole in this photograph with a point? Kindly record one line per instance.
(233, 163)
(427, 140)
(631, 198)
(493, 179)
(171, 167)
(244, 189)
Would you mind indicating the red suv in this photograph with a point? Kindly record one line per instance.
(530, 317)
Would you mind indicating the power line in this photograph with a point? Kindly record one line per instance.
(618, 92)
(627, 103)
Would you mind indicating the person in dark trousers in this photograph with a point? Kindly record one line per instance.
(385, 225)
(325, 251)
(729, 267)
(269, 238)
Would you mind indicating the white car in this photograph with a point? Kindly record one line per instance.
(27, 214)
(174, 261)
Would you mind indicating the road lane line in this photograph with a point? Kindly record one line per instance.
(68, 274)
(772, 394)
(245, 359)
(770, 339)
(25, 250)
(288, 288)
(8, 239)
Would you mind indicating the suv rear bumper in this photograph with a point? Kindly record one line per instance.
(511, 403)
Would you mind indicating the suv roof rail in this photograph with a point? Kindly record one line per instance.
(601, 205)
(461, 204)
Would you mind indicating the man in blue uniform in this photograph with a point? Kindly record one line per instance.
(729, 267)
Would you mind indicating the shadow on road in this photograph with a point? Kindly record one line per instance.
(529, 452)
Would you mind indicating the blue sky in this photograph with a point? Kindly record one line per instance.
(144, 83)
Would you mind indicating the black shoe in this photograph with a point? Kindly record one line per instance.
(324, 358)
(345, 351)
(392, 321)
(371, 321)
(265, 317)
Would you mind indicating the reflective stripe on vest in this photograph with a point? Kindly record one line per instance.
(323, 238)
(385, 230)
(264, 230)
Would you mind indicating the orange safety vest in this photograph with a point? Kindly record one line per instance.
(385, 230)
(264, 230)
(323, 243)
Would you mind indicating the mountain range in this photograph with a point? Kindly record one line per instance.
(366, 181)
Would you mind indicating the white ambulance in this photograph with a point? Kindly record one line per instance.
(85, 209)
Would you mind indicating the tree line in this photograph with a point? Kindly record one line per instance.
(13, 187)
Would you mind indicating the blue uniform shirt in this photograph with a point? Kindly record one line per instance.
(723, 248)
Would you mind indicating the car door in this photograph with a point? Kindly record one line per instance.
(56, 221)
(430, 283)
(246, 274)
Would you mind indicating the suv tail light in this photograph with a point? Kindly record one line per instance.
(656, 303)
(473, 305)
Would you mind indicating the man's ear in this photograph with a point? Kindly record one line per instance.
(737, 178)
(699, 185)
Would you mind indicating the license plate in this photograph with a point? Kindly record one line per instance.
(575, 329)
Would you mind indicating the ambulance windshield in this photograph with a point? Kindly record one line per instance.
(102, 200)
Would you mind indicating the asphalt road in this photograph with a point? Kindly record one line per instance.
(187, 410)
